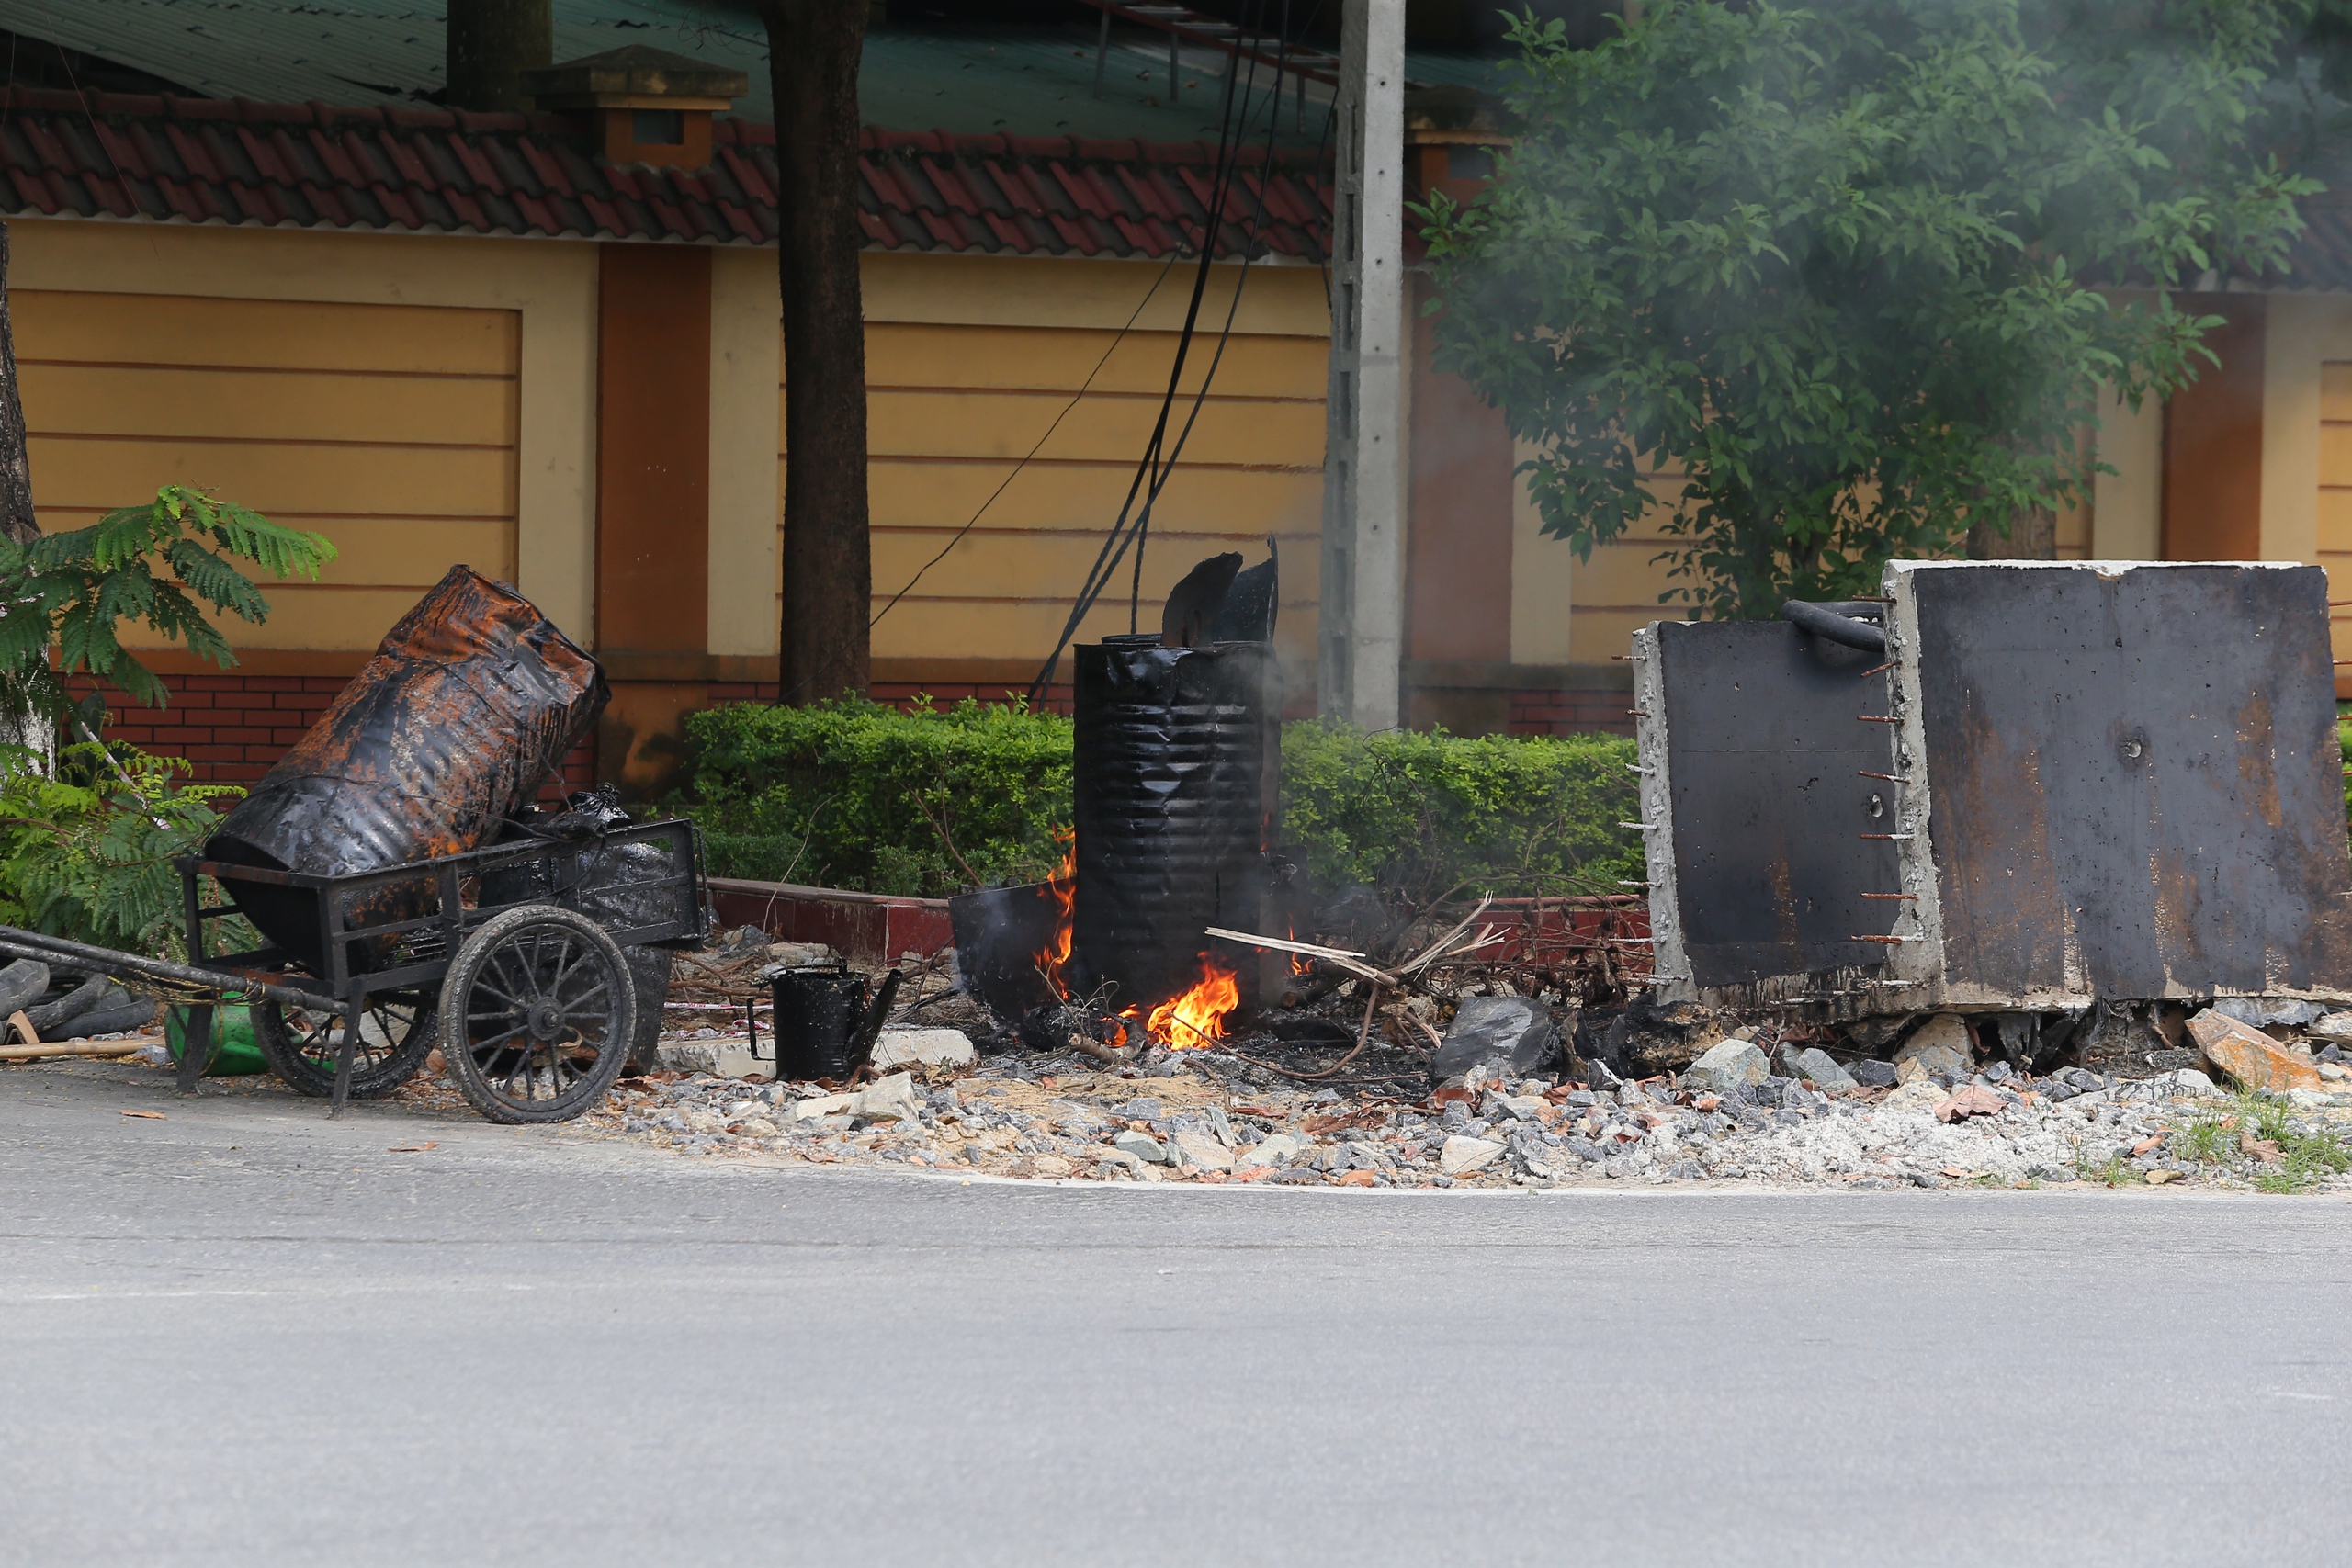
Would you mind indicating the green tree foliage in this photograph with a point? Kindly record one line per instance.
(87, 852)
(151, 565)
(1839, 266)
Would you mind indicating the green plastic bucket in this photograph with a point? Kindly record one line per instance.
(232, 1029)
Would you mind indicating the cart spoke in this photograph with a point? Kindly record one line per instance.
(522, 1063)
(555, 987)
(538, 966)
(600, 988)
(486, 988)
(527, 969)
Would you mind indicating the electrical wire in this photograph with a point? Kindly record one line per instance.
(1150, 466)
(1149, 295)
(1163, 471)
(1153, 466)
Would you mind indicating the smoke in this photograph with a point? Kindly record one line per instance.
(1853, 268)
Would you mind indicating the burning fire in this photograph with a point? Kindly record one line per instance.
(1063, 887)
(1197, 1017)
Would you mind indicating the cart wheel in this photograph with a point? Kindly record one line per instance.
(536, 1015)
(397, 1031)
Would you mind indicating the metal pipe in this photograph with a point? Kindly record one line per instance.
(21, 943)
(1827, 620)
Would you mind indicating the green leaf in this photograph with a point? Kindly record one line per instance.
(146, 566)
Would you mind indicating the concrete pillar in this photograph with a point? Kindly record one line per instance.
(1363, 610)
(652, 506)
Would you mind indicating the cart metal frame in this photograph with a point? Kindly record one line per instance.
(430, 941)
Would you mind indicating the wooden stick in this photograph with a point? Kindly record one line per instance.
(1114, 1055)
(1283, 944)
(73, 1048)
(1344, 960)
(1440, 945)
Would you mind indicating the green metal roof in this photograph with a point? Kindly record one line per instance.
(1035, 81)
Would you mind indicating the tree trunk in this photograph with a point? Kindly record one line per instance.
(491, 44)
(813, 48)
(2032, 535)
(15, 466)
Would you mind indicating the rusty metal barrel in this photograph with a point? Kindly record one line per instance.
(468, 707)
(1175, 782)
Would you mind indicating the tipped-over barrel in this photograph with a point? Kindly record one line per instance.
(468, 707)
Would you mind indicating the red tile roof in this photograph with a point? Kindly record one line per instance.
(436, 171)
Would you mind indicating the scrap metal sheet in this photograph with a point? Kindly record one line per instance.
(2135, 784)
(1766, 749)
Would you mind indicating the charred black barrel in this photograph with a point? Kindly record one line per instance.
(469, 705)
(1001, 934)
(1175, 783)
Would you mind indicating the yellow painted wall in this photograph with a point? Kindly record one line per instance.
(746, 507)
(2307, 439)
(971, 362)
(420, 401)
(391, 429)
(2334, 490)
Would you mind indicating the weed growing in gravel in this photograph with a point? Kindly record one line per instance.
(2304, 1158)
(2212, 1140)
(2112, 1171)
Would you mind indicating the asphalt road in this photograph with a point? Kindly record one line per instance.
(243, 1335)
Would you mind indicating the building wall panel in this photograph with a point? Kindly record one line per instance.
(229, 403)
(971, 362)
(393, 430)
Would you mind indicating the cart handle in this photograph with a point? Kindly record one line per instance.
(19, 944)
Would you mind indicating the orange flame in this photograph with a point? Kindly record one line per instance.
(1197, 1017)
(1062, 887)
(1298, 964)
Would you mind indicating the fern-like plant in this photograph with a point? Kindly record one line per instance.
(155, 566)
(94, 861)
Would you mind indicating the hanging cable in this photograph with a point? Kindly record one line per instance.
(1084, 387)
(1153, 466)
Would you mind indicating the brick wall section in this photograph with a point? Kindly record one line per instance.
(898, 693)
(1571, 711)
(234, 727)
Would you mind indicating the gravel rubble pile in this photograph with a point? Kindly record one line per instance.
(1188, 1116)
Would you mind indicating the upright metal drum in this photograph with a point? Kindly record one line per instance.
(1176, 781)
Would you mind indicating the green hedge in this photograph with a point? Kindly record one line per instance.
(856, 794)
(1426, 813)
(853, 793)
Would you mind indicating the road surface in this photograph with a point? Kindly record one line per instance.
(243, 1335)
